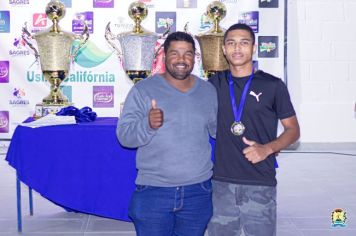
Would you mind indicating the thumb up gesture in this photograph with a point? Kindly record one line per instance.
(155, 116)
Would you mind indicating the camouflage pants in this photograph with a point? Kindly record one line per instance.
(243, 210)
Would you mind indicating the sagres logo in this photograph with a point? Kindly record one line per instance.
(163, 19)
(19, 2)
(103, 96)
(4, 71)
(338, 218)
(4, 21)
(268, 46)
(4, 122)
(20, 48)
(19, 100)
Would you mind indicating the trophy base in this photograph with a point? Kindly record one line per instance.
(43, 109)
(138, 75)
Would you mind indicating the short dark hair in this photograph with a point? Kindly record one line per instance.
(240, 26)
(178, 36)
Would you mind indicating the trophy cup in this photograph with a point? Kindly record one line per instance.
(56, 51)
(137, 46)
(211, 42)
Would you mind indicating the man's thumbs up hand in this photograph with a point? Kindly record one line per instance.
(155, 116)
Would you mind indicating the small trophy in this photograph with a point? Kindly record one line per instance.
(56, 51)
(137, 46)
(211, 42)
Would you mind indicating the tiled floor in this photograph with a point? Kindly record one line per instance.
(310, 187)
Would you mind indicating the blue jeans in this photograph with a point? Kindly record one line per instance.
(165, 211)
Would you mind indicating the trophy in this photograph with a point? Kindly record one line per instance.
(211, 42)
(137, 46)
(55, 52)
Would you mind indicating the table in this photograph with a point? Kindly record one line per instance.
(80, 167)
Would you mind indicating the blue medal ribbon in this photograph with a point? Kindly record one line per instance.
(238, 112)
(81, 115)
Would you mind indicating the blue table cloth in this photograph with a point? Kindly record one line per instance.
(81, 167)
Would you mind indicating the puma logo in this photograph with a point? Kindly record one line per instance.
(257, 96)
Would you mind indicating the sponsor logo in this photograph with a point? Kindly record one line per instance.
(268, 46)
(205, 23)
(90, 56)
(338, 218)
(268, 3)
(103, 96)
(67, 91)
(148, 3)
(4, 71)
(19, 100)
(163, 19)
(123, 24)
(103, 3)
(80, 18)
(228, 1)
(251, 19)
(4, 122)
(20, 48)
(19, 2)
(67, 3)
(4, 21)
(186, 3)
(39, 20)
(77, 77)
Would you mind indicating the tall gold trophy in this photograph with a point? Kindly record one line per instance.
(211, 42)
(137, 46)
(55, 53)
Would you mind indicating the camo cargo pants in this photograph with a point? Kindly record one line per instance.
(243, 210)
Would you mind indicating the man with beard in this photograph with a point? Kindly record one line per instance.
(169, 117)
(250, 105)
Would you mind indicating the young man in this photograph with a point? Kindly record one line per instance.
(169, 118)
(250, 105)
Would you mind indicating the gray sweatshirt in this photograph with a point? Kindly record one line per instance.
(179, 152)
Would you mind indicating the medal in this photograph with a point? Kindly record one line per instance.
(237, 128)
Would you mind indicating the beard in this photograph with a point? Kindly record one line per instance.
(179, 74)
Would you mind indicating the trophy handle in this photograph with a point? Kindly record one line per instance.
(110, 38)
(27, 35)
(169, 26)
(83, 38)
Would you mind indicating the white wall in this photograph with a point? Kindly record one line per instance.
(322, 68)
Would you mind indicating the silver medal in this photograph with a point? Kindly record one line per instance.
(237, 128)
